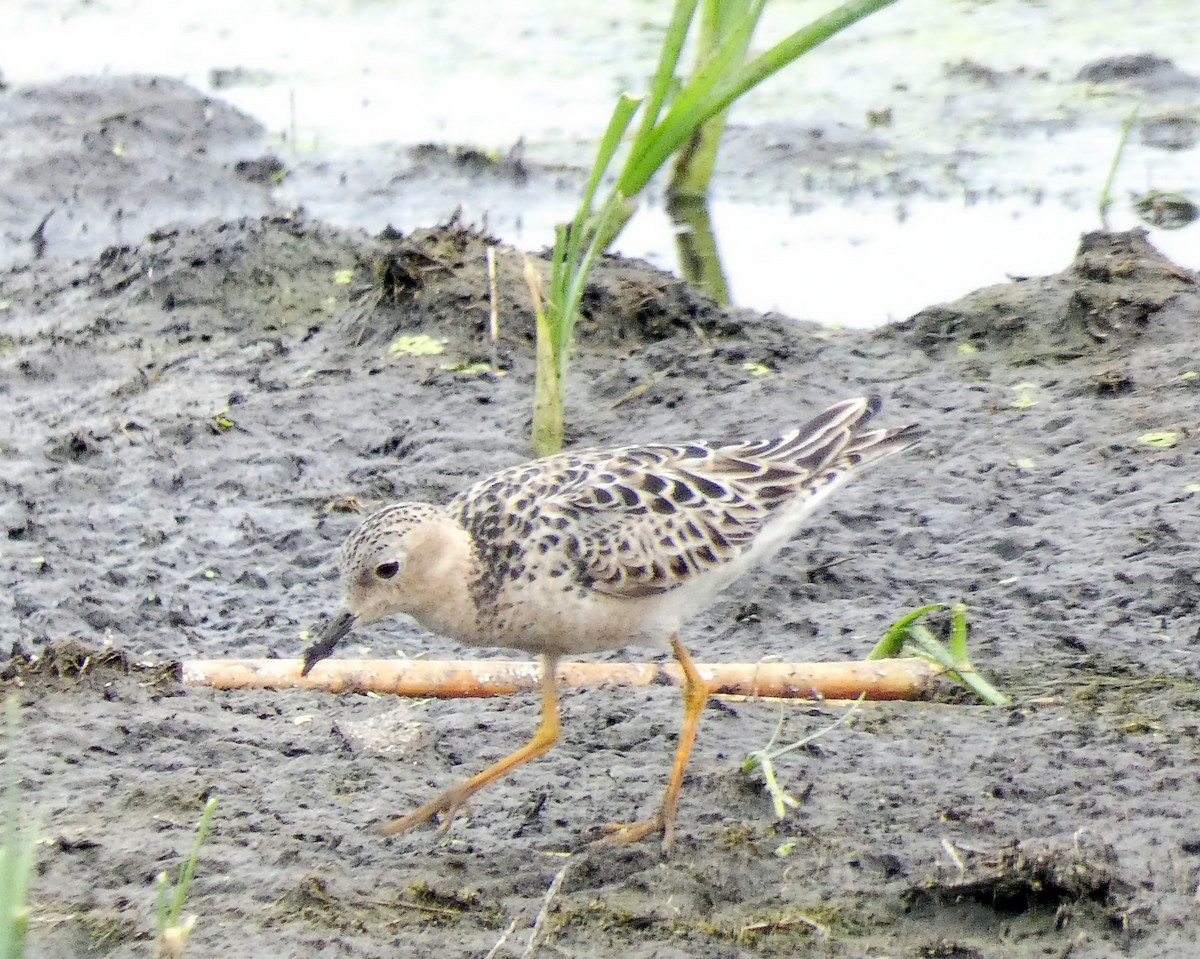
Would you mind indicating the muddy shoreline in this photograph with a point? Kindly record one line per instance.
(185, 406)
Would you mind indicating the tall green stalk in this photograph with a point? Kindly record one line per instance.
(665, 127)
(1106, 199)
(691, 172)
(694, 161)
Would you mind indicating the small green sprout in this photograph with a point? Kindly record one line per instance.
(171, 928)
(764, 759)
(909, 635)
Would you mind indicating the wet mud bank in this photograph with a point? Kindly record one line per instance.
(191, 409)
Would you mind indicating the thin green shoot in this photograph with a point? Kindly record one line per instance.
(16, 850)
(171, 927)
(691, 172)
(764, 759)
(547, 396)
(1106, 199)
(907, 635)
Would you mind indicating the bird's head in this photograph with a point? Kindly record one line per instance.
(384, 566)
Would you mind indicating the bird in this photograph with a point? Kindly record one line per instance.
(596, 549)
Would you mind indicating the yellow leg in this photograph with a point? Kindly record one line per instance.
(450, 800)
(695, 695)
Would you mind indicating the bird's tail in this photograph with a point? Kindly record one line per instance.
(836, 438)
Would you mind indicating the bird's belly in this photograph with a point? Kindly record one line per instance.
(581, 622)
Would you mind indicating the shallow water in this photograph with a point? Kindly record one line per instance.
(990, 161)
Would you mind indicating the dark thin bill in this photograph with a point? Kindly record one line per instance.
(333, 633)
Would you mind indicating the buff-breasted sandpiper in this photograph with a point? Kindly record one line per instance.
(593, 550)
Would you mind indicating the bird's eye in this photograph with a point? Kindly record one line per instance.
(387, 570)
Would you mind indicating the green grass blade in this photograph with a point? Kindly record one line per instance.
(16, 850)
(893, 640)
(558, 265)
(664, 74)
(652, 150)
(970, 677)
(187, 871)
(1106, 199)
(958, 632)
(958, 668)
(696, 158)
(622, 116)
(717, 83)
(561, 269)
(953, 655)
(708, 99)
(791, 48)
(171, 929)
(613, 211)
(547, 393)
(557, 324)
(162, 905)
(547, 435)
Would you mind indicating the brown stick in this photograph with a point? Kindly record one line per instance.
(878, 679)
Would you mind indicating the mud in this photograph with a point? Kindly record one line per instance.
(187, 405)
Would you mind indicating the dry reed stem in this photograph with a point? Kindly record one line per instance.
(878, 679)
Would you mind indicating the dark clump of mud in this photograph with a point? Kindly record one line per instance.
(190, 412)
(1108, 296)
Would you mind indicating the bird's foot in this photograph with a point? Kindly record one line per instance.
(624, 833)
(446, 803)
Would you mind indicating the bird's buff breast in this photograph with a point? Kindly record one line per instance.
(573, 622)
